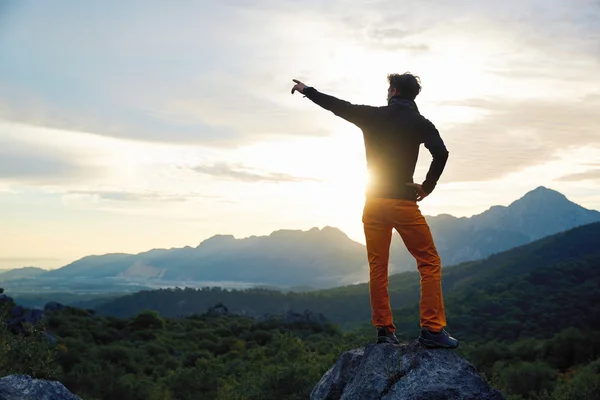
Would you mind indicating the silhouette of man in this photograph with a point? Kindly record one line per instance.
(392, 136)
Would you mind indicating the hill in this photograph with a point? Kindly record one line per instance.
(21, 273)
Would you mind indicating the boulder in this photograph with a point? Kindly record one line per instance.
(6, 300)
(20, 316)
(404, 372)
(290, 317)
(218, 310)
(308, 316)
(23, 387)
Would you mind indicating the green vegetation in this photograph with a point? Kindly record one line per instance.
(234, 357)
(527, 319)
(562, 367)
(149, 357)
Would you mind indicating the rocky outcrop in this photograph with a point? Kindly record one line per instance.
(405, 372)
(19, 316)
(218, 311)
(307, 316)
(53, 306)
(23, 387)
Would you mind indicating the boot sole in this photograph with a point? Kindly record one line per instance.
(432, 344)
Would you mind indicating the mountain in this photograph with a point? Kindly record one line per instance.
(317, 258)
(541, 212)
(21, 273)
(538, 288)
(321, 258)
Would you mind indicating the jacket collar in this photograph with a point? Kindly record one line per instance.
(404, 102)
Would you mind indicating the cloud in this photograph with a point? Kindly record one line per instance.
(26, 259)
(19, 262)
(108, 118)
(123, 196)
(591, 175)
(239, 172)
(513, 135)
(180, 74)
(159, 74)
(391, 39)
(40, 164)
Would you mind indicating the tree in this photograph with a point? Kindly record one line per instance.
(146, 320)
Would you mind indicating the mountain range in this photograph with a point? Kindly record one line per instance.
(539, 213)
(536, 289)
(317, 257)
(322, 258)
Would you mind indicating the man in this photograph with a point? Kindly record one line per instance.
(392, 136)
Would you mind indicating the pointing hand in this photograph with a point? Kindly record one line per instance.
(299, 86)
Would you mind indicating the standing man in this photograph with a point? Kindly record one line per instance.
(392, 136)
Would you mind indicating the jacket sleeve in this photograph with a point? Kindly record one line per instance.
(433, 142)
(356, 114)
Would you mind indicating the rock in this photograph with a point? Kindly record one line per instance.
(218, 311)
(291, 316)
(406, 372)
(52, 306)
(17, 311)
(5, 299)
(308, 316)
(19, 316)
(23, 387)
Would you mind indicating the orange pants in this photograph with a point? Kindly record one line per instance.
(380, 217)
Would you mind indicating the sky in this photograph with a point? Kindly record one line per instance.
(132, 125)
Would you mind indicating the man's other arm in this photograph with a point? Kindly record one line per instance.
(433, 142)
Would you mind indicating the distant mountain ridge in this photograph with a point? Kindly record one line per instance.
(322, 258)
(317, 257)
(539, 213)
(21, 273)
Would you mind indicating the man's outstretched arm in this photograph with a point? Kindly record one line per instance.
(356, 114)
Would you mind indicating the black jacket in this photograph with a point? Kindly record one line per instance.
(392, 136)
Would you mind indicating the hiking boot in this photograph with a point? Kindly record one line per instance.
(385, 336)
(441, 340)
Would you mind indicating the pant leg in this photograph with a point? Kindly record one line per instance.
(378, 236)
(415, 232)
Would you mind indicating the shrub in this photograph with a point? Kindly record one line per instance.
(146, 320)
(525, 378)
(29, 353)
(568, 348)
(584, 385)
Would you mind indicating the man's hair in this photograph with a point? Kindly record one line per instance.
(407, 84)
